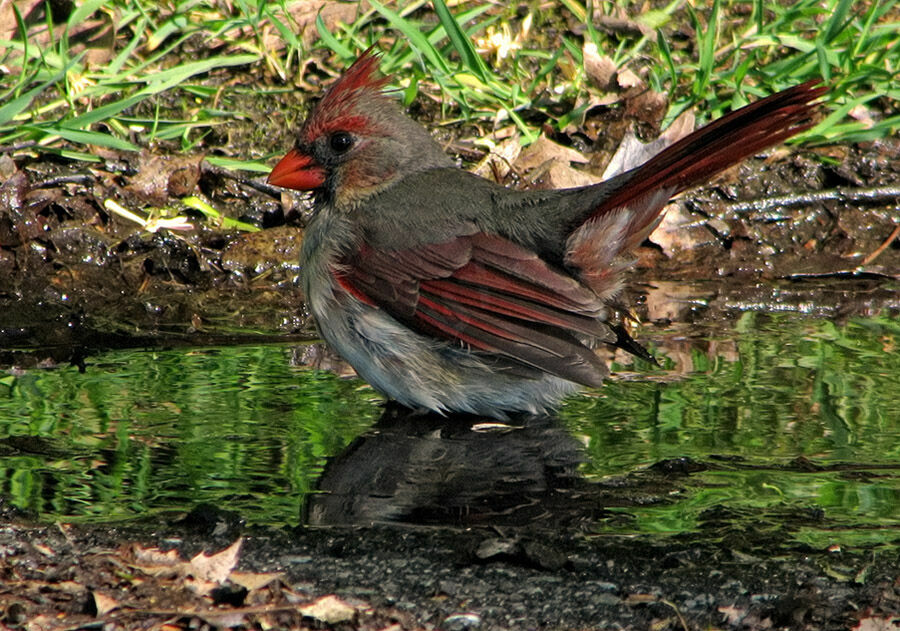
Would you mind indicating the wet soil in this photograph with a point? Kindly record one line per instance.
(75, 277)
(71, 577)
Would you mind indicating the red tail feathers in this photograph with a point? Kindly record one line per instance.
(699, 156)
(632, 210)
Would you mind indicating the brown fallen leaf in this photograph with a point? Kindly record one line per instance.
(153, 556)
(498, 162)
(254, 580)
(647, 106)
(878, 623)
(103, 603)
(679, 231)
(160, 177)
(215, 567)
(622, 25)
(627, 79)
(600, 69)
(330, 610)
(226, 619)
(332, 13)
(42, 622)
(543, 150)
(559, 175)
(201, 574)
(632, 152)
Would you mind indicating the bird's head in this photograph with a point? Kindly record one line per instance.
(356, 141)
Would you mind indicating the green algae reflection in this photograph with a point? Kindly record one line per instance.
(249, 428)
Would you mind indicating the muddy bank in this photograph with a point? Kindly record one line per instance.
(424, 578)
(76, 274)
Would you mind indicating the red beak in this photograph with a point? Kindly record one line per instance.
(297, 171)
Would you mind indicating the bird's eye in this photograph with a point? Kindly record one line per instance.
(340, 141)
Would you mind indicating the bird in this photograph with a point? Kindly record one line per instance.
(452, 294)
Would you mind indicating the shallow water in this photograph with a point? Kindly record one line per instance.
(784, 418)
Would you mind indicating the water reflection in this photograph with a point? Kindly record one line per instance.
(250, 428)
(462, 470)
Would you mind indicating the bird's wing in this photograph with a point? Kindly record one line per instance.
(486, 293)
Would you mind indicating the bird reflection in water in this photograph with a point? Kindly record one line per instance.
(460, 470)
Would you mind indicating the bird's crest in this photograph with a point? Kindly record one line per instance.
(338, 108)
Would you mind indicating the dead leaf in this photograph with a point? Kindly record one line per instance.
(877, 623)
(7, 167)
(103, 603)
(560, 175)
(647, 107)
(305, 13)
(543, 150)
(627, 79)
(41, 622)
(863, 114)
(226, 619)
(600, 69)
(500, 159)
(216, 567)
(678, 231)
(160, 177)
(44, 549)
(640, 599)
(154, 556)
(633, 153)
(254, 580)
(622, 25)
(330, 610)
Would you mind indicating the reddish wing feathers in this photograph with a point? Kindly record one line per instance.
(489, 294)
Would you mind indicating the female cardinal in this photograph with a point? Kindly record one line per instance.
(449, 292)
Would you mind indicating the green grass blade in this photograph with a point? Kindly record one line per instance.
(836, 23)
(415, 36)
(23, 33)
(19, 104)
(80, 137)
(163, 81)
(85, 10)
(461, 42)
(331, 41)
(116, 65)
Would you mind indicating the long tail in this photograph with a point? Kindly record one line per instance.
(711, 149)
(631, 203)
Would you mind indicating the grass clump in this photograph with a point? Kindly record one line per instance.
(165, 69)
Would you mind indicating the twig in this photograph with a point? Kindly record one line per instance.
(255, 183)
(869, 195)
(684, 624)
(881, 248)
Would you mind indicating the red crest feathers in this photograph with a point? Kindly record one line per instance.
(359, 76)
(337, 108)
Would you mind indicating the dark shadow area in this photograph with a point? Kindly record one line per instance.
(461, 470)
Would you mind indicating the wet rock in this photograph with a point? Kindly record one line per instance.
(161, 177)
(461, 622)
(257, 252)
(212, 521)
